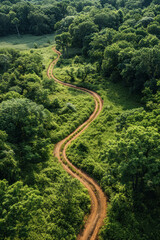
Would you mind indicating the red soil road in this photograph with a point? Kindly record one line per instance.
(98, 199)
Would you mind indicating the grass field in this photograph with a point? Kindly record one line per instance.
(26, 41)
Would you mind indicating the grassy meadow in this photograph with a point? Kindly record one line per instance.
(26, 41)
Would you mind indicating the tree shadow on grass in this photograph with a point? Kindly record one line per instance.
(121, 96)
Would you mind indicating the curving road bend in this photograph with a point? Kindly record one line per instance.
(98, 199)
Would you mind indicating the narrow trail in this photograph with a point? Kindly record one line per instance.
(98, 199)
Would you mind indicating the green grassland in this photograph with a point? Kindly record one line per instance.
(26, 41)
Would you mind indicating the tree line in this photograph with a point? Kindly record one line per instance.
(35, 17)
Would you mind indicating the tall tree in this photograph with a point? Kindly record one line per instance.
(25, 122)
(15, 21)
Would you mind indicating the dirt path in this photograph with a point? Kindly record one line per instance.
(98, 199)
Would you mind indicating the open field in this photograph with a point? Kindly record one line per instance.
(26, 41)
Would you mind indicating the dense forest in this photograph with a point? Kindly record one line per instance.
(112, 47)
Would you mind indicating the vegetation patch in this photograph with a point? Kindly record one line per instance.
(26, 41)
(111, 47)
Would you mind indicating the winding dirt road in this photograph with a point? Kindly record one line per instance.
(98, 199)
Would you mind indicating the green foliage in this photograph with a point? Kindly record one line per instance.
(124, 49)
(25, 123)
(71, 74)
(81, 31)
(4, 61)
(115, 41)
(26, 132)
(136, 153)
(23, 17)
(129, 172)
(8, 165)
(19, 205)
(63, 40)
(82, 73)
(66, 202)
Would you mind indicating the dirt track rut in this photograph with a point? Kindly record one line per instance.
(98, 199)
